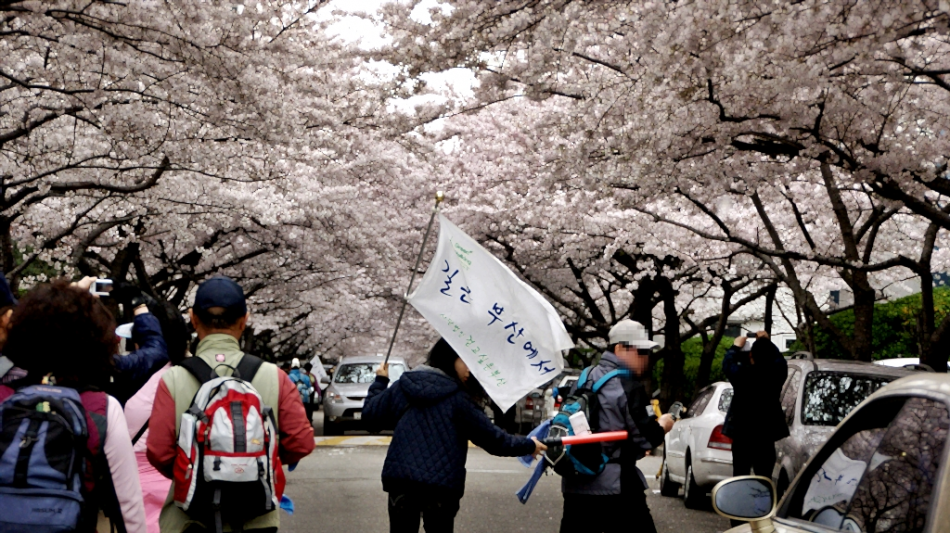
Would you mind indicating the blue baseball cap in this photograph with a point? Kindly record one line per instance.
(224, 292)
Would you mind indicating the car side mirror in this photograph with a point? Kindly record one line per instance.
(748, 498)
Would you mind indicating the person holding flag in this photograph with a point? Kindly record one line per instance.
(617, 493)
(434, 412)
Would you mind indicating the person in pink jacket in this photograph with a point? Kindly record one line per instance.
(61, 335)
(138, 408)
(154, 485)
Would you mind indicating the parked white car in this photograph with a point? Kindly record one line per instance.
(696, 455)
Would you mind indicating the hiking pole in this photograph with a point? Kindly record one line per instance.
(405, 299)
(606, 436)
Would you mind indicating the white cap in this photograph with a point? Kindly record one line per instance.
(124, 331)
(632, 334)
(295, 363)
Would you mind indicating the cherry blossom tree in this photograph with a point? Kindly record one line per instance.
(164, 142)
(723, 98)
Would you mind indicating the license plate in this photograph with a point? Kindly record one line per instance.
(357, 415)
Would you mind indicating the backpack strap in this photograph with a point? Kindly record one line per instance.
(249, 366)
(581, 381)
(246, 369)
(608, 376)
(140, 432)
(199, 369)
(96, 404)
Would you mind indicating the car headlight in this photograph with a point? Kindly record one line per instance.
(334, 397)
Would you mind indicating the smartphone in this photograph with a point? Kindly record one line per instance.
(101, 287)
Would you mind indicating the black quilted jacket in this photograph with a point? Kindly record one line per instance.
(433, 420)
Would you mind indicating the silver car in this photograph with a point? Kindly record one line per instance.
(885, 468)
(817, 395)
(343, 398)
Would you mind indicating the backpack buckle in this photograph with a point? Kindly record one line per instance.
(27, 441)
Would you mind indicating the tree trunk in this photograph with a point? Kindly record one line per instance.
(710, 344)
(937, 343)
(642, 311)
(643, 303)
(934, 340)
(863, 318)
(936, 357)
(706, 361)
(6, 250)
(673, 359)
(769, 305)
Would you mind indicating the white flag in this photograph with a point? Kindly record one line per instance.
(509, 336)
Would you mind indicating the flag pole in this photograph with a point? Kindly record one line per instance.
(405, 300)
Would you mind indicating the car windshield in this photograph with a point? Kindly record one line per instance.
(830, 396)
(364, 372)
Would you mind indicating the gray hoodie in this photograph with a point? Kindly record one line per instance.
(623, 406)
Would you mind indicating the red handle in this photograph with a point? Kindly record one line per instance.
(606, 436)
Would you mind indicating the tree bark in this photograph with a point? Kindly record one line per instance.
(933, 340)
(769, 306)
(673, 358)
(6, 250)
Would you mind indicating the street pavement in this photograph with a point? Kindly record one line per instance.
(338, 488)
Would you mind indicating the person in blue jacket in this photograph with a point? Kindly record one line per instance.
(134, 369)
(304, 386)
(130, 372)
(434, 415)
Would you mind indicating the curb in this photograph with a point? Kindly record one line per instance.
(358, 440)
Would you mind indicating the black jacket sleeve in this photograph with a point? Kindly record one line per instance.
(135, 369)
(637, 403)
(483, 433)
(735, 366)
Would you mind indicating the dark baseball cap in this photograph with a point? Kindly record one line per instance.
(223, 292)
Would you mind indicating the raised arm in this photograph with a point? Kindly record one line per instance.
(735, 364)
(384, 405)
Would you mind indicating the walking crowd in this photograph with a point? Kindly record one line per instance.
(164, 440)
(153, 440)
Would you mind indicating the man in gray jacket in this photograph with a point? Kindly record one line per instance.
(615, 500)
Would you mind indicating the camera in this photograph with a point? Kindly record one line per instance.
(101, 287)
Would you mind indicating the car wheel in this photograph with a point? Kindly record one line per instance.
(331, 429)
(693, 494)
(668, 487)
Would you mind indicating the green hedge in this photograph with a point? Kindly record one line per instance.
(894, 330)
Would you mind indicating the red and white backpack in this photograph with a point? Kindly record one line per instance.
(227, 468)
